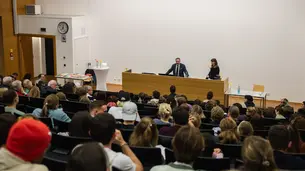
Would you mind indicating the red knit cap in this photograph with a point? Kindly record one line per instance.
(28, 139)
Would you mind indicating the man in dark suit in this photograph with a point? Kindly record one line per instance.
(178, 69)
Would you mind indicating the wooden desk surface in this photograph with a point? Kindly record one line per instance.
(193, 88)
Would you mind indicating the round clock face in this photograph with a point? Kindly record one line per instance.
(63, 28)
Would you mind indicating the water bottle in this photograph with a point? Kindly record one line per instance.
(238, 89)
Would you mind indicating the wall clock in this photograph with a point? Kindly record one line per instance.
(63, 28)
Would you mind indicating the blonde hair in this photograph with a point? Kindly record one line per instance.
(228, 133)
(217, 113)
(34, 92)
(145, 134)
(196, 119)
(27, 83)
(198, 110)
(50, 103)
(61, 96)
(257, 154)
(251, 111)
(245, 129)
(165, 110)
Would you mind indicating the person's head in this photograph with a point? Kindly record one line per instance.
(7, 120)
(245, 129)
(124, 96)
(156, 94)
(84, 99)
(196, 119)
(301, 111)
(257, 154)
(178, 60)
(61, 96)
(214, 62)
(129, 111)
(187, 144)
(88, 89)
(97, 107)
(185, 107)
(34, 92)
(217, 114)
(69, 88)
(210, 95)
(181, 116)
(79, 160)
(17, 85)
(198, 102)
(181, 100)
(7, 81)
(52, 84)
(284, 102)
(51, 102)
(251, 111)
(299, 122)
(240, 107)
(10, 98)
(172, 89)
(228, 133)
(145, 134)
(102, 128)
(14, 75)
(278, 137)
(269, 112)
(27, 84)
(249, 98)
(42, 77)
(288, 111)
(210, 105)
(165, 111)
(197, 110)
(81, 91)
(233, 112)
(28, 139)
(27, 76)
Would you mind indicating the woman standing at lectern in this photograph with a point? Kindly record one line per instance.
(214, 70)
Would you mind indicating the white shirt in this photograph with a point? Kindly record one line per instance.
(116, 112)
(120, 161)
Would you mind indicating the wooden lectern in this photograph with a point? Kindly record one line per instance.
(193, 88)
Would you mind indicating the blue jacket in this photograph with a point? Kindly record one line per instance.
(57, 114)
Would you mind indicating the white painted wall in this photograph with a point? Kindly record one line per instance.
(255, 41)
(64, 50)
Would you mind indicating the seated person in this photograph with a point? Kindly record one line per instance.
(181, 118)
(278, 136)
(61, 96)
(50, 89)
(103, 130)
(6, 122)
(124, 97)
(17, 86)
(89, 91)
(155, 98)
(41, 79)
(269, 113)
(11, 100)
(279, 113)
(249, 102)
(50, 109)
(81, 121)
(25, 146)
(130, 115)
(34, 92)
(69, 88)
(79, 158)
(234, 113)
(196, 109)
(210, 96)
(217, 114)
(257, 155)
(6, 84)
(27, 84)
(165, 112)
(172, 90)
(244, 130)
(83, 98)
(228, 134)
(186, 150)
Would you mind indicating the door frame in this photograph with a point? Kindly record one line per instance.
(53, 37)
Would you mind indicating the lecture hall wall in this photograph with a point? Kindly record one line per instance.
(255, 41)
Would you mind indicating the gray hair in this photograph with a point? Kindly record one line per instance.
(87, 88)
(27, 83)
(7, 81)
(16, 85)
(51, 82)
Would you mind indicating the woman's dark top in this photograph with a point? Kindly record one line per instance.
(214, 73)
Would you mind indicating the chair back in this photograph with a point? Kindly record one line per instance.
(36, 102)
(207, 126)
(2, 109)
(272, 121)
(54, 163)
(148, 156)
(29, 109)
(126, 133)
(165, 141)
(169, 155)
(47, 121)
(24, 100)
(74, 106)
(72, 97)
(209, 163)
(230, 150)
(65, 144)
(258, 88)
(261, 133)
(210, 131)
(302, 134)
(60, 126)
